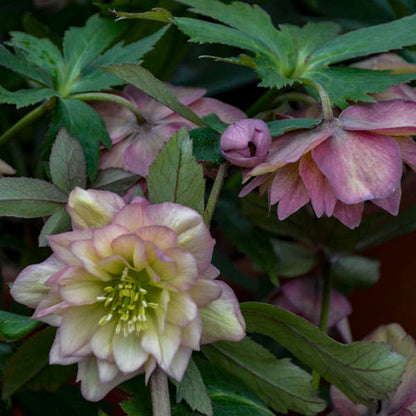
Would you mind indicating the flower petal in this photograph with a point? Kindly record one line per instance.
(191, 334)
(180, 363)
(113, 158)
(103, 237)
(6, 169)
(132, 217)
(408, 150)
(257, 181)
(160, 235)
(205, 291)
(222, 319)
(349, 215)
(395, 117)
(344, 407)
(132, 248)
(60, 244)
(360, 166)
(182, 310)
(56, 357)
(102, 341)
(390, 204)
(107, 371)
(288, 189)
(128, 353)
(225, 112)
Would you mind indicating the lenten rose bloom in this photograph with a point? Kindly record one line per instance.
(340, 164)
(135, 146)
(131, 288)
(6, 169)
(401, 402)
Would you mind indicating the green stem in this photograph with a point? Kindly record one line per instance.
(262, 103)
(325, 102)
(325, 307)
(215, 193)
(159, 391)
(112, 98)
(29, 118)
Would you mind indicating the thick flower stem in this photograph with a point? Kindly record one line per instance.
(159, 390)
(325, 306)
(112, 98)
(325, 103)
(215, 193)
(29, 118)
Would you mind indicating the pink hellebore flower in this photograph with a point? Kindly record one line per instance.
(137, 145)
(131, 288)
(341, 163)
(303, 297)
(6, 169)
(246, 143)
(401, 402)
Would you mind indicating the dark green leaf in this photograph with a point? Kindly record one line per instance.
(29, 198)
(144, 80)
(294, 259)
(213, 121)
(206, 145)
(175, 176)
(134, 407)
(27, 361)
(95, 79)
(14, 326)
(84, 123)
(367, 41)
(278, 127)
(52, 377)
(23, 98)
(364, 371)
(353, 84)
(158, 14)
(67, 163)
(58, 222)
(114, 180)
(355, 271)
(279, 383)
(192, 389)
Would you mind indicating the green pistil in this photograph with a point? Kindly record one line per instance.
(128, 305)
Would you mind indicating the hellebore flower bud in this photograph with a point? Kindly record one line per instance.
(246, 143)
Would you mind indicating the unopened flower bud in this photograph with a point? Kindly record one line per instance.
(246, 143)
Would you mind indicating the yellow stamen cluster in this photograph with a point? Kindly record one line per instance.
(128, 305)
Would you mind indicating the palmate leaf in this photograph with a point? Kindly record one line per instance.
(23, 98)
(363, 371)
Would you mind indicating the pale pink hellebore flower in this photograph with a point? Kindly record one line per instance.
(131, 288)
(342, 163)
(6, 169)
(401, 402)
(246, 143)
(137, 145)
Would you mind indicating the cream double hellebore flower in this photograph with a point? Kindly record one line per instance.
(131, 288)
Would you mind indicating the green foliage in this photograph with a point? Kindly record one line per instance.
(29, 198)
(27, 361)
(58, 222)
(280, 384)
(206, 145)
(175, 176)
(355, 271)
(13, 326)
(23, 98)
(363, 371)
(114, 180)
(279, 127)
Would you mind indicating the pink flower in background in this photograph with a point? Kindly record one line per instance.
(303, 297)
(340, 164)
(6, 169)
(137, 145)
(401, 402)
(246, 143)
(131, 288)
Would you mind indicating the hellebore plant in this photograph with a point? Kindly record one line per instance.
(132, 288)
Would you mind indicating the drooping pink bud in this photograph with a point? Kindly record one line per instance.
(246, 143)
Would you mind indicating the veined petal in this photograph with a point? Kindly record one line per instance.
(319, 190)
(205, 291)
(210, 273)
(390, 204)
(160, 235)
(291, 147)
(257, 181)
(106, 371)
(182, 310)
(192, 233)
(128, 353)
(360, 166)
(170, 341)
(130, 247)
(132, 217)
(92, 208)
(113, 264)
(288, 189)
(49, 308)
(113, 158)
(29, 287)
(102, 340)
(408, 150)
(60, 244)
(103, 237)
(179, 363)
(395, 117)
(56, 357)
(150, 340)
(225, 112)
(350, 215)
(191, 334)
(222, 319)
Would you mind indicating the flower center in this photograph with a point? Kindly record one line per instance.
(128, 305)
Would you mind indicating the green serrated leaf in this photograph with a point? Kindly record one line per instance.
(279, 127)
(23, 98)
(67, 163)
(13, 326)
(192, 389)
(144, 80)
(355, 271)
(29, 198)
(96, 79)
(367, 41)
(175, 176)
(114, 180)
(213, 121)
(84, 123)
(279, 383)
(353, 84)
(206, 145)
(363, 371)
(27, 361)
(157, 14)
(58, 222)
